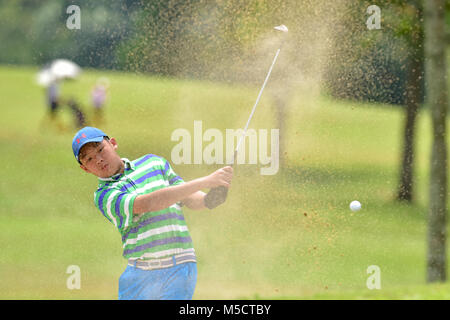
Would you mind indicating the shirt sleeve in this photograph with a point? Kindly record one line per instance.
(116, 206)
(170, 175)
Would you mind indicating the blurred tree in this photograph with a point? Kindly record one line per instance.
(35, 32)
(411, 28)
(15, 24)
(196, 38)
(436, 84)
(385, 65)
(370, 64)
(162, 45)
(412, 31)
(104, 25)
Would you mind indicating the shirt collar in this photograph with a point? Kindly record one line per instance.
(129, 166)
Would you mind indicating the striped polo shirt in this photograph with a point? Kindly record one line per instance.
(151, 235)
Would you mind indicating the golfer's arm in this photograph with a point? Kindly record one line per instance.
(195, 201)
(163, 198)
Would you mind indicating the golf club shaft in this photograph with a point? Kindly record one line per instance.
(254, 106)
(217, 195)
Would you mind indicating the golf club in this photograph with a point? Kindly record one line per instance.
(218, 195)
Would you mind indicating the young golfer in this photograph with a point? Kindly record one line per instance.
(143, 199)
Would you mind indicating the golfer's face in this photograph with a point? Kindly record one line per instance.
(102, 160)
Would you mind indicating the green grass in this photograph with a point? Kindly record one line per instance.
(285, 236)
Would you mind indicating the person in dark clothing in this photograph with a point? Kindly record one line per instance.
(79, 116)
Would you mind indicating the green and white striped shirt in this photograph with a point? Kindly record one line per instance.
(151, 235)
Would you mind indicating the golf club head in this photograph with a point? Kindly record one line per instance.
(282, 28)
(215, 197)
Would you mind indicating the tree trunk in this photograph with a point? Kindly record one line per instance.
(413, 99)
(405, 191)
(437, 100)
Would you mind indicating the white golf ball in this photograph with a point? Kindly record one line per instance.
(355, 206)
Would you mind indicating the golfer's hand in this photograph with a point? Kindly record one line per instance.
(221, 177)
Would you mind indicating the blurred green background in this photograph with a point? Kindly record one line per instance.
(284, 236)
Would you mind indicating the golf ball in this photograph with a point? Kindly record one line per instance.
(355, 206)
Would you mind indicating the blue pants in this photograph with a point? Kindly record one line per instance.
(174, 283)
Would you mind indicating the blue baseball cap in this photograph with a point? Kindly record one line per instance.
(85, 135)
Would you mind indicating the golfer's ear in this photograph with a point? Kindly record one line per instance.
(84, 168)
(113, 142)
